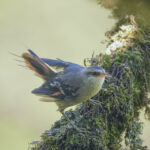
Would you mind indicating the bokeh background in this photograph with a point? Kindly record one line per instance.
(66, 29)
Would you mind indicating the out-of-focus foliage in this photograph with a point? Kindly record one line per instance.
(116, 117)
(121, 8)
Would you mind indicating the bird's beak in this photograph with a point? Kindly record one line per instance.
(105, 75)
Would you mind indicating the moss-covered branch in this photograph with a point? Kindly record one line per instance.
(116, 120)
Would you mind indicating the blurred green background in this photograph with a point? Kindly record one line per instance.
(66, 29)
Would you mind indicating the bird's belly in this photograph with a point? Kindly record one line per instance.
(90, 92)
(90, 89)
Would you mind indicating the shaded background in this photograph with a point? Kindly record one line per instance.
(66, 29)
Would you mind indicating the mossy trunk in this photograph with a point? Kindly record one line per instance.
(113, 124)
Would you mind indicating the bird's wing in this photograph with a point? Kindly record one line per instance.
(61, 65)
(52, 62)
(58, 89)
(63, 90)
(37, 65)
(47, 68)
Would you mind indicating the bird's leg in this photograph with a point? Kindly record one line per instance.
(72, 124)
(66, 117)
(94, 102)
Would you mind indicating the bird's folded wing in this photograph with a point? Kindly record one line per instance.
(62, 90)
(58, 89)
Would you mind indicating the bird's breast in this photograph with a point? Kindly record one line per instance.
(91, 87)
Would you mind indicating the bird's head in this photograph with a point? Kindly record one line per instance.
(96, 71)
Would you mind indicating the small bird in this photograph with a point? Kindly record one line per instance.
(66, 83)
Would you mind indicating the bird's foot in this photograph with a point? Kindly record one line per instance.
(94, 102)
(80, 130)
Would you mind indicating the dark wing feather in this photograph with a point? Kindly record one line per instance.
(59, 63)
(62, 65)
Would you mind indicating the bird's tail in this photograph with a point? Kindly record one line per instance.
(37, 65)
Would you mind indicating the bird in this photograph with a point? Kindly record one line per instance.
(65, 83)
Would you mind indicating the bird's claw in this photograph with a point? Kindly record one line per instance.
(94, 102)
(80, 130)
